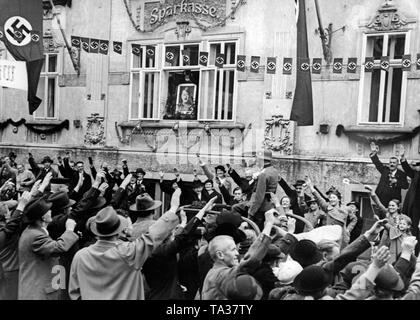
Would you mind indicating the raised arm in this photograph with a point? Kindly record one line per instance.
(259, 195)
(321, 201)
(45, 246)
(382, 209)
(374, 157)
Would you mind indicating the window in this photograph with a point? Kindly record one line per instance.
(47, 88)
(382, 93)
(145, 85)
(179, 88)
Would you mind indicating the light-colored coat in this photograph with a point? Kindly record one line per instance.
(38, 254)
(111, 270)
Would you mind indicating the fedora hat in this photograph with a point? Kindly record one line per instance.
(229, 229)
(311, 280)
(60, 200)
(144, 202)
(140, 171)
(266, 155)
(197, 184)
(36, 208)
(47, 159)
(389, 279)
(306, 253)
(299, 183)
(311, 200)
(107, 223)
(243, 287)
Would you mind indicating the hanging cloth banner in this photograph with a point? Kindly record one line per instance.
(316, 65)
(240, 63)
(338, 65)
(385, 63)
(136, 49)
(85, 44)
(170, 55)
(406, 62)
(369, 64)
(103, 47)
(220, 60)
(287, 66)
(150, 52)
(255, 64)
(94, 45)
(75, 41)
(204, 58)
(271, 65)
(186, 57)
(13, 74)
(351, 65)
(117, 46)
(304, 64)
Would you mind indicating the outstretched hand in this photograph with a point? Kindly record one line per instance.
(381, 257)
(126, 181)
(373, 147)
(377, 227)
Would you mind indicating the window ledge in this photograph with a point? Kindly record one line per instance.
(378, 129)
(189, 125)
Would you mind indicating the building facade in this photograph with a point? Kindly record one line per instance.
(159, 106)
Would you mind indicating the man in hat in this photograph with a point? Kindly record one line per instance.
(113, 264)
(226, 266)
(247, 183)
(145, 186)
(41, 172)
(144, 210)
(80, 179)
(10, 228)
(267, 183)
(38, 262)
(161, 269)
(392, 180)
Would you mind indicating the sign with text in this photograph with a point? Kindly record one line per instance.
(13, 74)
(206, 11)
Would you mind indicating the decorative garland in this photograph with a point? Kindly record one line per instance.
(32, 127)
(202, 26)
(361, 138)
(5, 123)
(63, 125)
(221, 22)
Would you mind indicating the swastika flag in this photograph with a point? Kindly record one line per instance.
(21, 31)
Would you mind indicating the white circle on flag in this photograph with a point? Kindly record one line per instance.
(18, 31)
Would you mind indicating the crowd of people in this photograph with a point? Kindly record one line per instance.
(71, 231)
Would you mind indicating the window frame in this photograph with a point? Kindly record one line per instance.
(45, 76)
(162, 69)
(142, 71)
(382, 97)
